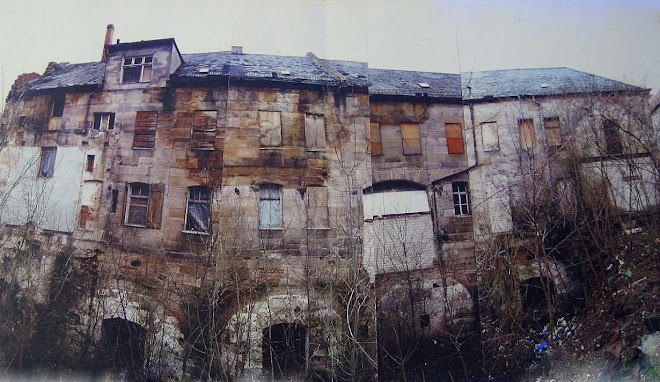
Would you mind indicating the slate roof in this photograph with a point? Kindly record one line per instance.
(71, 75)
(538, 82)
(407, 83)
(259, 66)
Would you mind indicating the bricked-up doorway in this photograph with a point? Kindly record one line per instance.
(123, 346)
(284, 349)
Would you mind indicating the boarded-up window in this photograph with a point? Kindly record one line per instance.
(204, 126)
(613, 143)
(270, 206)
(314, 132)
(144, 205)
(454, 138)
(553, 132)
(489, 136)
(317, 207)
(376, 139)
(198, 209)
(410, 136)
(270, 129)
(145, 130)
(527, 133)
(47, 163)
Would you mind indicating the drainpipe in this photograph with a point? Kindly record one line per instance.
(474, 128)
(545, 141)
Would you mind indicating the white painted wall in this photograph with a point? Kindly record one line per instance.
(51, 203)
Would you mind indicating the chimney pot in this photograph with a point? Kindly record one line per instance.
(236, 49)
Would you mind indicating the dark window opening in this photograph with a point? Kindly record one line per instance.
(534, 293)
(104, 121)
(90, 163)
(137, 69)
(284, 349)
(58, 106)
(123, 346)
(613, 143)
(424, 320)
(114, 200)
(47, 163)
(198, 209)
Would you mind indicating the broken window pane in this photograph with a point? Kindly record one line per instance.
(138, 204)
(104, 121)
(137, 69)
(47, 164)
(198, 213)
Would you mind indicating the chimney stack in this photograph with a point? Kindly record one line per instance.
(236, 49)
(109, 33)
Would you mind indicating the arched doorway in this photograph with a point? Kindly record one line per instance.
(284, 349)
(123, 346)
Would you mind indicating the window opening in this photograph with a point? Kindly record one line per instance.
(527, 133)
(104, 121)
(454, 138)
(410, 137)
(424, 320)
(138, 204)
(314, 132)
(123, 346)
(90, 163)
(461, 198)
(284, 349)
(270, 213)
(613, 143)
(114, 201)
(198, 209)
(376, 139)
(137, 69)
(553, 132)
(58, 106)
(270, 129)
(47, 163)
(145, 130)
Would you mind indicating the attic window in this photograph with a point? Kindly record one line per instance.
(544, 85)
(204, 70)
(424, 85)
(285, 72)
(137, 69)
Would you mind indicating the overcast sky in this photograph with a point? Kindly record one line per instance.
(614, 39)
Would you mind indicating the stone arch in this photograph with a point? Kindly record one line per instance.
(419, 176)
(243, 350)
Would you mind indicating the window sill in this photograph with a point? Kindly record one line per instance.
(271, 229)
(134, 225)
(316, 150)
(196, 233)
(319, 228)
(271, 148)
(143, 148)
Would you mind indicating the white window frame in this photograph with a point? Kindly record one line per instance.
(133, 200)
(106, 121)
(461, 208)
(134, 62)
(200, 201)
(267, 200)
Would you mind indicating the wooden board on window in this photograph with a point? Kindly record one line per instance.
(455, 143)
(270, 129)
(145, 129)
(410, 137)
(376, 141)
(204, 130)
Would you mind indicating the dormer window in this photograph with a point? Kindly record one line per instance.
(137, 69)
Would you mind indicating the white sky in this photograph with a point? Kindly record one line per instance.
(618, 39)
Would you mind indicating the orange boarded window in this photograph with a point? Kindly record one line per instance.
(410, 136)
(376, 139)
(454, 138)
(527, 133)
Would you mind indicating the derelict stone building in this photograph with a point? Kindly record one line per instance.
(242, 215)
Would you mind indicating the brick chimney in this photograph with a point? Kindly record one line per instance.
(236, 49)
(109, 33)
